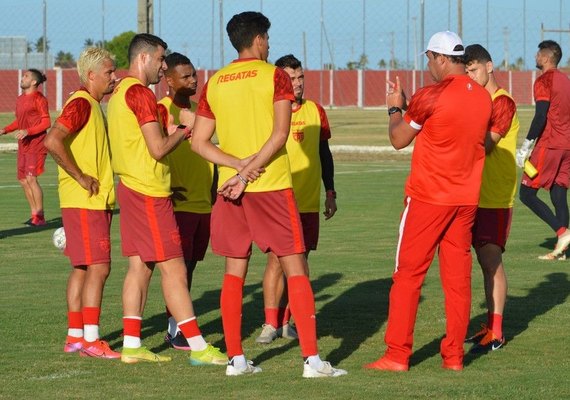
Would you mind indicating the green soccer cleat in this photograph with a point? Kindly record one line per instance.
(209, 356)
(141, 354)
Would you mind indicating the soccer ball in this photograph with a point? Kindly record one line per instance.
(58, 238)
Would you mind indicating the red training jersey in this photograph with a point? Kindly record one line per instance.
(32, 114)
(452, 117)
(554, 86)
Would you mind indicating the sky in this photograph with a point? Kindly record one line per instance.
(316, 31)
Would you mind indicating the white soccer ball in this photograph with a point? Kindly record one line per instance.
(58, 238)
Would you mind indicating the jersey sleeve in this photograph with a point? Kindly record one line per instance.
(283, 86)
(420, 108)
(41, 105)
(11, 127)
(325, 127)
(75, 115)
(142, 103)
(543, 88)
(163, 114)
(204, 109)
(504, 108)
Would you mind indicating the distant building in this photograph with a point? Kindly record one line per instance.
(14, 55)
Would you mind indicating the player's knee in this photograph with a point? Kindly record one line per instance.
(526, 194)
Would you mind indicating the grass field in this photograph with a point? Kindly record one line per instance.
(351, 274)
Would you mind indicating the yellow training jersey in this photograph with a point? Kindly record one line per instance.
(131, 159)
(499, 182)
(303, 150)
(240, 97)
(189, 171)
(90, 150)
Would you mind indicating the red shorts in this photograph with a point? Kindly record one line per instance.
(30, 164)
(194, 234)
(270, 219)
(492, 225)
(87, 235)
(553, 166)
(148, 226)
(310, 223)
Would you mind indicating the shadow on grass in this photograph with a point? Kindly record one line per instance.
(520, 311)
(252, 312)
(51, 224)
(354, 316)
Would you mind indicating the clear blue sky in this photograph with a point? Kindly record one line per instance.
(380, 28)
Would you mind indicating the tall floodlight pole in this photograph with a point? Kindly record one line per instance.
(487, 30)
(414, 19)
(408, 35)
(363, 26)
(160, 18)
(422, 31)
(212, 35)
(102, 24)
(221, 3)
(460, 18)
(524, 34)
(44, 42)
(322, 65)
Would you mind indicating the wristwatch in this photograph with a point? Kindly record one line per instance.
(394, 110)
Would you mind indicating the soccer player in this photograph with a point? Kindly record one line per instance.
(248, 104)
(78, 143)
(494, 214)
(149, 235)
(191, 176)
(550, 133)
(449, 121)
(311, 159)
(31, 123)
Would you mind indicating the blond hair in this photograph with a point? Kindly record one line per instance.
(90, 60)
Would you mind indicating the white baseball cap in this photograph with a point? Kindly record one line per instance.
(446, 42)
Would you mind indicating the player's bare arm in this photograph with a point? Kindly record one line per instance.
(491, 140)
(401, 134)
(202, 145)
(278, 138)
(159, 145)
(54, 144)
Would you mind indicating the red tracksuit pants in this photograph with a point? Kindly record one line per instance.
(425, 227)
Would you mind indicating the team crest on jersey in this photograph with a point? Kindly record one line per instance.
(298, 136)
(469, 86)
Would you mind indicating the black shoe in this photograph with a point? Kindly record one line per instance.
(177, 342)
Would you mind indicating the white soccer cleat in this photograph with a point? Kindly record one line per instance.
(249, 369)
(326, 371)
(268, 334)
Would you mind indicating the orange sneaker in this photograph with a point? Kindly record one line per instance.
(476, 338)
(385, 364)
(489, 343)
(72, 345)
(98, 349)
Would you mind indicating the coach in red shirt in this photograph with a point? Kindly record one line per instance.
(449, 121)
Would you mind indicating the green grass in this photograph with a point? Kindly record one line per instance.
(351, 275)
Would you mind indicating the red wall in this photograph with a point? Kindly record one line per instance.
(345, 86)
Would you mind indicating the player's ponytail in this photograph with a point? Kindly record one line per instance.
(39, 77)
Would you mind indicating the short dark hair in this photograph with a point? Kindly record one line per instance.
(476, 53)
(554, 48)
(39, 77)
(144, 42)
(288, 61)
(244, 27)
(174, 59)
(454, 59)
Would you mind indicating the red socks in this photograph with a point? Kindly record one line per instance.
(496, 325)
(231, 306)
(302, 303)
(91, 315)
(75, 320)
(272, 317)
(190, 328)
(132, 326)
